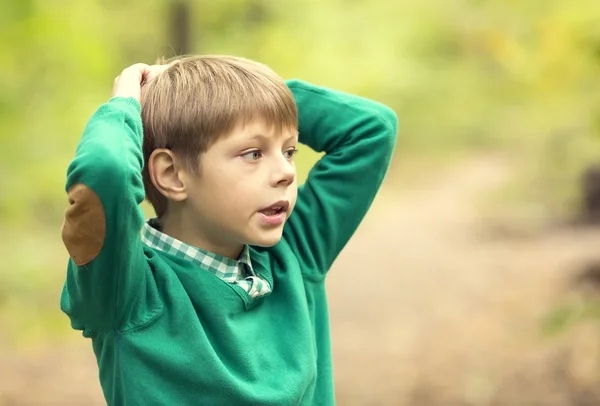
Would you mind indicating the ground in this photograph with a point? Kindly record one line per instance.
(430, 303)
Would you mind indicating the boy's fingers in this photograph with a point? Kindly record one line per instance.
(133, 78)
(143, 72)
(154, 71)
(128, 83)
(138, 70)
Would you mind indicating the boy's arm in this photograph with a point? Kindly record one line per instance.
(358, 137)
(106, 285)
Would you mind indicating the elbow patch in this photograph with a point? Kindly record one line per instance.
(84, 227)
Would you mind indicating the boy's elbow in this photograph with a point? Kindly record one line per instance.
(390, 120)
(380, 116)
(386, 120)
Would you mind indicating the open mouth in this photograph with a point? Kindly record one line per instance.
(272, 211)
(276, 209)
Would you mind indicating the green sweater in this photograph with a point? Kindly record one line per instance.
(168, 333)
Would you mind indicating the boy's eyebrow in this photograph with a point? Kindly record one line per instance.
(262, 137)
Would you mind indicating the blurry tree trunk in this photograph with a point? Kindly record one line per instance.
(180, 27)
(256, 12)
(591, 195)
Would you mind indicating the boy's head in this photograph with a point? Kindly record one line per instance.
(219, 138)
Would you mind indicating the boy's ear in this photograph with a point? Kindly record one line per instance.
(166, 174)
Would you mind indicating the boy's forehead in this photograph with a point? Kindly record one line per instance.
(260, 129)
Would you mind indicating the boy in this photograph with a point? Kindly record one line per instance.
(222, 300)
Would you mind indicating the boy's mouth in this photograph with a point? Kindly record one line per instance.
(271, 212)
(277, 208)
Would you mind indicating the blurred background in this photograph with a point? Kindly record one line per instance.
(475, 278)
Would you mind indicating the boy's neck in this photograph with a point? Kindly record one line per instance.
(187, 232)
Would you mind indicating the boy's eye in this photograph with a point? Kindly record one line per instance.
(289, 154)
(252, 155)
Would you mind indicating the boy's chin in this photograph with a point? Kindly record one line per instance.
(266, 238)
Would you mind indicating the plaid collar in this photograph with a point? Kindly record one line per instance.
(225, 268)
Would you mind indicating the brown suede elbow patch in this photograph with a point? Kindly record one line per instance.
(84, 228)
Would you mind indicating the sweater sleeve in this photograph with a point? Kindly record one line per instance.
(358, 137)
(107, 285)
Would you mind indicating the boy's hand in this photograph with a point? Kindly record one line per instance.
(129, 82)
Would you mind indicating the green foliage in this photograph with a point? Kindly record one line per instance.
(462, 74)
(561, 318)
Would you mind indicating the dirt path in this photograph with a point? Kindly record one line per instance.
(427, 309)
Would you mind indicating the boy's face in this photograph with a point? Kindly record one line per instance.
(246, 187)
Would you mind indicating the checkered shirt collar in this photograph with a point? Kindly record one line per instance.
(225, 268)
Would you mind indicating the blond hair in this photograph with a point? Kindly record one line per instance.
(198, 99)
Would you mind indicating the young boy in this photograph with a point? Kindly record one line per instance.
(222, 299)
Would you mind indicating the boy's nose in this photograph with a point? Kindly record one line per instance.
(285, 174)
